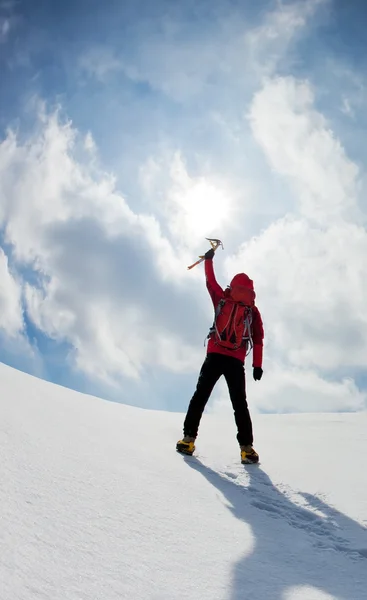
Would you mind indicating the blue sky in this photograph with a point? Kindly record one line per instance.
(130, 131)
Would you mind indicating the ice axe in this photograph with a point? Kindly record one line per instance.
(214, 244)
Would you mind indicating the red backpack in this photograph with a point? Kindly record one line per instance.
(233, 319)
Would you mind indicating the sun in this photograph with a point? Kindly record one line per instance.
(202, 208)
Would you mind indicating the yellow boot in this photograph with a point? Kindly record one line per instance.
(249, 455)
(186, 445)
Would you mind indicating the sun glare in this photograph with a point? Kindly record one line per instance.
(204, 208)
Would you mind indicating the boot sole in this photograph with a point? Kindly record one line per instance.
(248, 461)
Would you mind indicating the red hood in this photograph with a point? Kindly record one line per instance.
(243, 280)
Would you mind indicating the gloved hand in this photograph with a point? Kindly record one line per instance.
(209, 255)
(257, 373)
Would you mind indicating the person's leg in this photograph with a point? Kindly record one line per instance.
(211, 371)
(234, 374)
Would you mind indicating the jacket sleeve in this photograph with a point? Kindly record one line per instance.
(214, 289)
(257, 338)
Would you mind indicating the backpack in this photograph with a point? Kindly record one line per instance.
(232, 325)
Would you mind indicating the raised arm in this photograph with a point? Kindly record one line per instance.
(214, 289)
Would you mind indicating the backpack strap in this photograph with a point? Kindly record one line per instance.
(248, 338)
(217, 310)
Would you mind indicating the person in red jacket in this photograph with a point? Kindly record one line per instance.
(222, 359)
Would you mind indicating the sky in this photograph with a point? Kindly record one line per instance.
(131, 131)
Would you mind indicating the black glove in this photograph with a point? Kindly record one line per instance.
(257, 373)
(209, 255)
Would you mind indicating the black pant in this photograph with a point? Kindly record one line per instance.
(214, 366)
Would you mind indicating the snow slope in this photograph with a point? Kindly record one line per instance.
(96, 504)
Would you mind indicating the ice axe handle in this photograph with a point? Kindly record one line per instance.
(197, 262)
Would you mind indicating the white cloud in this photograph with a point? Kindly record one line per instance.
(303, 390)
(346, 108)
(231, 51)
(16, 348)
(300, 145)
(89, 143)
(100, 62)
(11, 312)
(267, 44)
(4, 29)
(108, 275)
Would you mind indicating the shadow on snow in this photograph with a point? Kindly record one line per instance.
(294, 545)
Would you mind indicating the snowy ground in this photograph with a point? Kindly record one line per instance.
(95, 503)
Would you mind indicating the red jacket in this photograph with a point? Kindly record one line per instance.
(217, 294)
